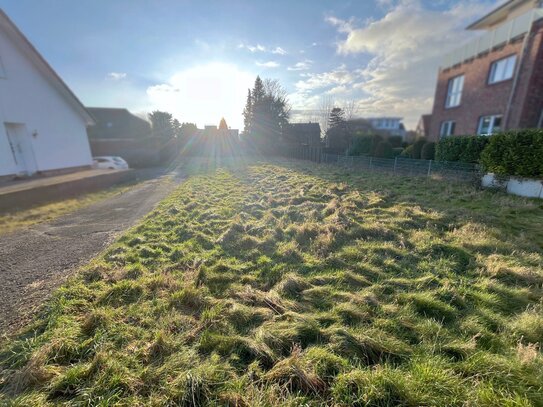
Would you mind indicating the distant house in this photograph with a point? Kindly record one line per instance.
(118, 132)
(423, 126)
(115, 123)
(361, 126)
(391, 126)
(42, 123)
(494, 82)
(308, 134)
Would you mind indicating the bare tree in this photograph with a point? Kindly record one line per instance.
(325, 108)
(350, 108)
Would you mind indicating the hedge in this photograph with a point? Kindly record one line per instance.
(517, 153)
(364, 144)
(417, 148)
(428, 151)
(384, 150)
(466, 149)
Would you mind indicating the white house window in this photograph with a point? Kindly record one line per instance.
(503, 69)
(489, 125)
(454, 91)
(447, 128)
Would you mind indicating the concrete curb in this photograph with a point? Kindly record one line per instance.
(26, 198)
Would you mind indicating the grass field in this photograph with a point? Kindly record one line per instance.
(294, 284)
(10, 221)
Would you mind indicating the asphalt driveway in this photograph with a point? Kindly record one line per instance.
(34, 261)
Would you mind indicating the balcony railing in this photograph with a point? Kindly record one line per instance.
(499, 36)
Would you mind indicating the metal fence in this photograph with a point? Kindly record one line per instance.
(398, 166)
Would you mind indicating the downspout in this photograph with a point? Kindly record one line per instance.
(517, 74)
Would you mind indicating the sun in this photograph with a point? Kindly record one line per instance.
(204, 93)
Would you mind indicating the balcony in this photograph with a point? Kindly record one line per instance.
(494, 38)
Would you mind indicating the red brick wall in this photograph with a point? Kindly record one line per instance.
(481, 99)
(530, 93)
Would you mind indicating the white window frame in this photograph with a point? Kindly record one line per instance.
(505, 67)
(447, 128)
(455, 87)
(491, 126)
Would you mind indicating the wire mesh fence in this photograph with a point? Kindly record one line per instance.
(397, 166)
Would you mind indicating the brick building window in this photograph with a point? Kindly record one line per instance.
(489, 125)
(454, 91)
(447, 128)
(502, 69)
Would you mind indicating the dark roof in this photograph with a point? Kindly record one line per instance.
(305, 127)
(117, 123)
(105, 114)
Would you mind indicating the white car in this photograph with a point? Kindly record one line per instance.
(110, 163)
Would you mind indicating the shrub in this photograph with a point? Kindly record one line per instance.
(407, 152)
(397, 151)
(384, 150)
(395, 141)
(417, 148)
(517, 153)
(428, 151)
(364, 144)
(466, 149)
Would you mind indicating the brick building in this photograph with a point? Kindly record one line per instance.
(494, 82)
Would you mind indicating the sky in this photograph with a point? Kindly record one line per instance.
(196, 59)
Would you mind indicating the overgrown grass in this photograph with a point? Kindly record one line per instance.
(292, 284)
(11, 221)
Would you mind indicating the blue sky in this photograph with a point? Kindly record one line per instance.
(197, 58)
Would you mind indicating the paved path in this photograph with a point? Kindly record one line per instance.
(36, 260)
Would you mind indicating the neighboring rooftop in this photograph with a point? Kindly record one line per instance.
(509, 9)
(506, 23)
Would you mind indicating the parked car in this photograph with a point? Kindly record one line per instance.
(110, 163)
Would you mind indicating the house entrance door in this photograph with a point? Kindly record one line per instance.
(21, 148)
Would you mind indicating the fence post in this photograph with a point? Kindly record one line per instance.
(395, 162)
(429, 167)
(370, 163)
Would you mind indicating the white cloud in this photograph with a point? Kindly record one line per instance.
(321, 81)
(279, 51)
(268, 64)
(253, 48)
(203, 94)
(116, 76)
(301, 66)
(406, 46)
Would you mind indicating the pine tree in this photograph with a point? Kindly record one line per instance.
(247, 113)
(337, 118)
(265, 114)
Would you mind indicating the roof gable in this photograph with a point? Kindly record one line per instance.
(20, 40)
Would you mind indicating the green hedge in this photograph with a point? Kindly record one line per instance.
(428, 151)
(417, 148)
(364, 144)
(466, 149)
(518, 153)
(384, 150)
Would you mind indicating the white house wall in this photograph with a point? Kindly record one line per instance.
(27, 96)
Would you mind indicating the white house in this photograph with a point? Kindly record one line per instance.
(391, 125)
(42, 123)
